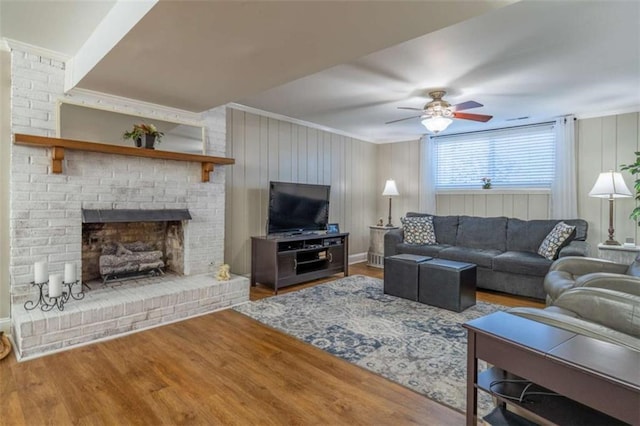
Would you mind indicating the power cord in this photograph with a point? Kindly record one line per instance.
(523, 394)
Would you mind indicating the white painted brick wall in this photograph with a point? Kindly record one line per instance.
(45, 219)
(45, 208)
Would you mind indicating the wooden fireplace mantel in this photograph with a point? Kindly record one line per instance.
(58, 146)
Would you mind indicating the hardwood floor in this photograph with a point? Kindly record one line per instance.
(221, 368)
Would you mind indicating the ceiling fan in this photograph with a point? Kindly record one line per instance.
(438, 114)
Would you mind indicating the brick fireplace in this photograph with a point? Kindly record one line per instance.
(47, 221)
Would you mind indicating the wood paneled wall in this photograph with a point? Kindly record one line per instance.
(487, 203)
(399, 161)
(267, 149)
(604, 143)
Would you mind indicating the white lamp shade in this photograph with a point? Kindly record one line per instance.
(610, 185)
(436, 124)
(390, 188)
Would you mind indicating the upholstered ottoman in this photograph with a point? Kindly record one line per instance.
(401, 275)
(447, 284)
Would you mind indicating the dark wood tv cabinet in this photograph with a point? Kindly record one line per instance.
(280, 261)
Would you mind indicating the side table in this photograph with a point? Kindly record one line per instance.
(618, 254)
(375, 256)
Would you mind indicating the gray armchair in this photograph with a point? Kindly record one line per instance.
(573, 272)
(592, 297)
(604, 314)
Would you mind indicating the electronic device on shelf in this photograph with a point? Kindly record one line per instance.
(332, 241)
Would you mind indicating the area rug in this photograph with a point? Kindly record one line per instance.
(416, 345)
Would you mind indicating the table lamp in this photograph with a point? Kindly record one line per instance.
(390, 190)
(610, 185)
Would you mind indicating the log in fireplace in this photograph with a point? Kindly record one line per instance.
(119, 244)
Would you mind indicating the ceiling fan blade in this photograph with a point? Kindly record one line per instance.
(413, 109)
(474, 117)
(467, 105)
(402, 119)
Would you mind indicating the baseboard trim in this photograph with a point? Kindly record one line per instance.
(357, 258)
(5, 325)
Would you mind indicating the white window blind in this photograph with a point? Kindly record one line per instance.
(517, 157)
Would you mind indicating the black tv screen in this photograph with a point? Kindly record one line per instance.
(298, 207)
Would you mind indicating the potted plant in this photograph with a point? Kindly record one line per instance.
(147, 132)
(486, 183)
(634, 169)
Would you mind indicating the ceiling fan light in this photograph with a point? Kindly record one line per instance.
(436, 124)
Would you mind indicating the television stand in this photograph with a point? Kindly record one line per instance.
(281, 261)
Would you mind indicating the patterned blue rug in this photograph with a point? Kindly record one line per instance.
(418, 346)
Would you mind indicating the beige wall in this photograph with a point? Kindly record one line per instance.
(604, 143)
(5, 150)
(267, 149)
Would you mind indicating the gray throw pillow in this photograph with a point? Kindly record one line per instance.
(418, 230)
(554, 240)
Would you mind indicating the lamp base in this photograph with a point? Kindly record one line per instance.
(611, 242)
(389, 225)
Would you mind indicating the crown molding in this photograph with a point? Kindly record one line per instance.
(116, 103)
(36, 50)
(281, 117)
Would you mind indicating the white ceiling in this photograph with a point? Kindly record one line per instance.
(349, 65)
(60, 26)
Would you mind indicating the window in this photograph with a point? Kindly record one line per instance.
(517, 157)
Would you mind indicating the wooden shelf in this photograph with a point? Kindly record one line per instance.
(555, 408)
(59, 145)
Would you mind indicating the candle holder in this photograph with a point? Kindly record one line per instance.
(47, 303)
(80, 294)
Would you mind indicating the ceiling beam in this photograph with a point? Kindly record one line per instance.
(117, 23)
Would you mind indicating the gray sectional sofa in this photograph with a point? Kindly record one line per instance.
(504, 249)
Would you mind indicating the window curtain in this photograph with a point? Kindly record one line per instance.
(564, 197)
(428, 168)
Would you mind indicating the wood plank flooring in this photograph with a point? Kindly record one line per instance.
(222, 368)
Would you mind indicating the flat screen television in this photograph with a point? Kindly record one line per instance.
(297, 207)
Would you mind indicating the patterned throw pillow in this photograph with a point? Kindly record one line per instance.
(554, 240)
(418, 230)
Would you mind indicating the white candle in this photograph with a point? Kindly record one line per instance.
(55, 285)
(40, 272)
(69, 273)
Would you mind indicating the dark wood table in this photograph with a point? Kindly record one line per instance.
(599, 382)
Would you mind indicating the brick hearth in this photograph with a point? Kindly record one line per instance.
(116, 310)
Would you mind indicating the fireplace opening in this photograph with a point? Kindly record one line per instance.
(119, 244)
